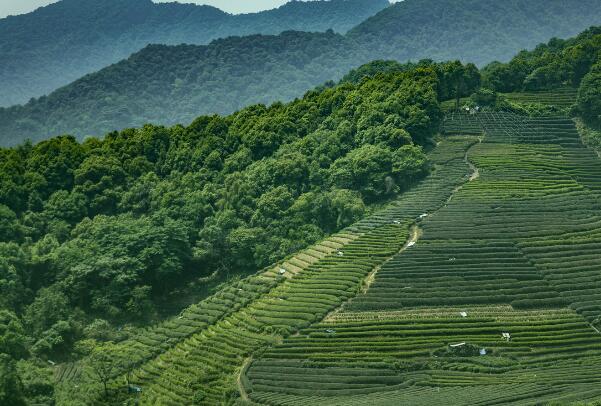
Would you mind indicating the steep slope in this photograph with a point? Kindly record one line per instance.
(513, 251)
(103, 239)
(57, 44)
(478, 284)
(170, 85)
(504, 237)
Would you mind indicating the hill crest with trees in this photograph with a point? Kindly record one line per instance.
(169, 85)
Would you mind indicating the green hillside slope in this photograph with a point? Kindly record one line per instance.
(500, 238)
(101, 239)
(167, 85)
(170, 85)
(356, 246)
(57, 44)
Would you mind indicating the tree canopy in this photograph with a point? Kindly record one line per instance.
(573, 63)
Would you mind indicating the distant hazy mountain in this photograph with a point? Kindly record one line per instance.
(167, 85)
(478, 31)
(175, 84)
(57, 44)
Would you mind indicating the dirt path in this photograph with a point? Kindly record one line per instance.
(241, 388)
(475, 174)
(414, 235)
(475, 170)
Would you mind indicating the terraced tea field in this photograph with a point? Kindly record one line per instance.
(479, 286)
(561, 98)
(498, 302)
(313, 284)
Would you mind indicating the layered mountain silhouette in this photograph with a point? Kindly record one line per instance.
(57, 44)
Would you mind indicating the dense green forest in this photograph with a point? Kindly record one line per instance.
(96, 236)
(58, 44)
(169, 85)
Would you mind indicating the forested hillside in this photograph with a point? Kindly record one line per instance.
(174, 84)
(57, 44)
(97, 237)
(170, 85)
(478, 286)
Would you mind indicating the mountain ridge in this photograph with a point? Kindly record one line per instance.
(63, 41)
(456, 26)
